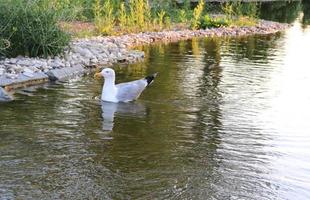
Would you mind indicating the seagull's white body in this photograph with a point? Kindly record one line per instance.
(123, 92)
(109, 90)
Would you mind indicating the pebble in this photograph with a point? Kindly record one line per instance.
(28, 74)
(2, 71)
(28, 70)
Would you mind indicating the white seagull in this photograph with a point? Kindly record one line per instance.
(123, 92)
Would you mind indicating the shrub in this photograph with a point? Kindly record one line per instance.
(241, 13)
(228, 10)
(31, 30)
(182, 16)
(244, 21)
(238, 8)
(137, 17)
(208, 22)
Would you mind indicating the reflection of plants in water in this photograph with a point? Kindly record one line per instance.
(209, 111)
(252, 48)
(182, 47)
(306, 10)
(213, 51)
(130, 73)
(195, 47)
(282, 11)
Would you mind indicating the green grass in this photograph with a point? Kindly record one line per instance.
(31, 30)
(214, 22)
(244, 21)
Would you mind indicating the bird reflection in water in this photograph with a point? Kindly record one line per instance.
(110, 109)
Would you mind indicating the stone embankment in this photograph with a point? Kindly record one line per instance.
(102, 51)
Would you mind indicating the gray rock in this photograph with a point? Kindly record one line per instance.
(2, 71)
(28, 70)
(49, 62)
(67, 64)
(4, 80)
(4, 96)
(11, 75)
(28, 74)
(20, 78)
(57, 64)
(84, 52)
(13, 61)
(93, 61)
(65, 73)
(24, 62)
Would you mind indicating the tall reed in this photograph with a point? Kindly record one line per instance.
(104, 17)
(123, 17)
(197, 14)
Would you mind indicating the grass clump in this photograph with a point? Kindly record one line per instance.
(244, 21)
(241, 14)
(29, 29)
(234, 14)
(216, 22)
(115, 18)
(139, 18)
(104, 18)
(182, 16)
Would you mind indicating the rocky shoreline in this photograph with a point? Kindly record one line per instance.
(84, 54)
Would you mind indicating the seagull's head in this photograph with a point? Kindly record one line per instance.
(106, 73)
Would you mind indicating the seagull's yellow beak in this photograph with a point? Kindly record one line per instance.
(97, 75)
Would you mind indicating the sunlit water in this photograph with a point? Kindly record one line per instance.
(224, 119)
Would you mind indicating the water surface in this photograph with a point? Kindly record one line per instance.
(225, 119)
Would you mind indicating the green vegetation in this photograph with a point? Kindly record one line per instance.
(104, 18)
(216, 22)
(41, 27)
(234, 13)
(237, 8)
(117, 17)
(29, 29)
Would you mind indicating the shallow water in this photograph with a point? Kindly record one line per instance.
(224, 119)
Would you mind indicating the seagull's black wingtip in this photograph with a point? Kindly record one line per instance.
(150, 78)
